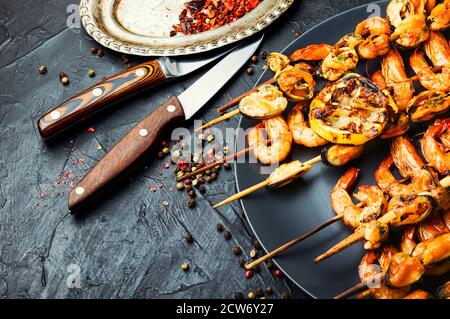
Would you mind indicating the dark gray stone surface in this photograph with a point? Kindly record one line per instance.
(129, 245)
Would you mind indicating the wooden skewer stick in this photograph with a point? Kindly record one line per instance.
(252, 189)
(296, 241)
(218, 120)
(362, 285)
(238, 99)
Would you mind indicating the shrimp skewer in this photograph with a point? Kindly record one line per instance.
(439, 18)
(436, 153)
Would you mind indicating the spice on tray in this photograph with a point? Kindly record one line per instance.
(249, 70)
(91, 73)
(236, 250)
(238, 295)
(94, 50)
(227, 235)
(185, 266)
(269, 291)
(203, 15)
(254, 59)
(189, 239)
(42, 69)
(251, 295)
(249, 273)
(219, 228)
(100, 53)
(277, 273)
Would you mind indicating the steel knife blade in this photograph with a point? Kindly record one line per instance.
(119, 87)
(142, 139)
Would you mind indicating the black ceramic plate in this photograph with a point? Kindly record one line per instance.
(277, 216)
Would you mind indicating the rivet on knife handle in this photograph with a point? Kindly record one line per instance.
(98, 97)
(131, 148)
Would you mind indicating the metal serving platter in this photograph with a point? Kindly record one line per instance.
(142, 27)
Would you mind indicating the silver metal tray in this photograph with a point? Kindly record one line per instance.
(142, 27)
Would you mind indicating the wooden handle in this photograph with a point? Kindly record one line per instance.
(130, 149)
(99, 96)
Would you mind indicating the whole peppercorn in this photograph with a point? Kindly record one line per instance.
(187, 182)
(192, 194)
(238, 295)
(65, 80)
(297, 34)
(191, 203)
(257, 245)
(94, 50)
(270, 266)
(253, 253)
(249, 273)
(286, 295)
(42, 69)
(262, 54)
(202, 189)
(180, 186)
(160, 155)
(227, 235)
(277, 273)
(214, 176)
(189, 239)
(62, 75)
(219, 228)
(254, 59)
(91, 73)
(100, 53)
(227, 166)
(202, 180)
(236, 250)
(185, 266)
(269, 291)
(259, 292)
(249, 70)
(251, 295)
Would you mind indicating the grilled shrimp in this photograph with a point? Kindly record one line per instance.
(438, 51)
(398, 127)
(427, 105)
(338, 155)
(387, 181)
(301, 131)
(372, 200)
(398, 10)
(313, 52)
(280, 140)
(371, 264)
(437, 154)
(396, 79)
(439, 18)
(375, 31)
(443, 292)
(296, 83)
(431, 227)
(418, 294)
(378, 79)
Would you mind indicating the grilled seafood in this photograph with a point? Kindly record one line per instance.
(371, 264)
(427, 105)
(372, 201)
(277, 62)
(312, 52)
(439, 18)
(266, 102)
(351, 111)
(378, 80)
(296, 83)
(301, 131)
(418, 294)
(338, 155)
(436, 153)
(280, 140)
(396, 79)
(444, 291)
(286, 173)
(395, 128)
(375, 31)
(398, 10)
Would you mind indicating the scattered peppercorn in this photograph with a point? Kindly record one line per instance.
(94, 50)
(269, 291)
(65, 80)
(227, 166)
(180, 186)
(236, 250)
(253, 253)
(270, 266)
(160, 155)
(277, 273)
(100, 53)
(262, 54)
(227, 235)
(192, 194)
(249, 70)
(286, 295)
(251, 295)
(249, 273)
(219, 228)
(257, 245)
(242, 263)
(189, 239)
(254, 59)
(259, 292)
(202, 189)
(238, 295)
(297, 34)
(185, 266)
(42, 69)
(165, 203)
(91, 73)
(191, 202)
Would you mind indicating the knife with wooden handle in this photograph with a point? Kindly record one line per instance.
(141, 140)
(116, 88)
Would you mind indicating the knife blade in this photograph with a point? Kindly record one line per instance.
(142, 139)
(118, 87)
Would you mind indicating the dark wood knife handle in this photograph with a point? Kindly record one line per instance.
(132, 148)
(99, 96)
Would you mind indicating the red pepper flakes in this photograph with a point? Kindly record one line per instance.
(203, 15)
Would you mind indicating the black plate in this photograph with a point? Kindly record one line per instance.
(278, 216)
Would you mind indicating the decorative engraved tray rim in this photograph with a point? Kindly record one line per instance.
(253, 22)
